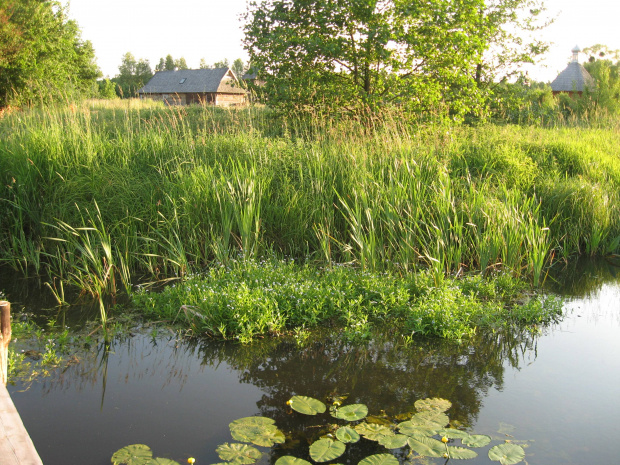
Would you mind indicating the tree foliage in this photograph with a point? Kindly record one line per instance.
(509, 32)
(169, 63)
(107, 89)
(606, 74)
(133, 74)
(239, 68)
(419, 54)
(42, 54)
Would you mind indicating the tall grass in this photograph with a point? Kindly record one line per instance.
(156, 192)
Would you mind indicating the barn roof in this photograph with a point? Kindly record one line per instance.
(221, 80)
(574, 78)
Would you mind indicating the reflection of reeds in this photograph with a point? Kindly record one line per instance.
(87, 258)
(140, 189)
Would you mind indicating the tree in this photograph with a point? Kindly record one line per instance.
(418, 54)
(107, 89)
(239, 68)
(181, 63)
(508, 31)
(133, 74)
(170, 65)
(606, 74)
(221, 64)
(42, 54)
(203, 64)
(161, 65)
(353, 55)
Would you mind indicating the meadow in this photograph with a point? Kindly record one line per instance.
(103, 196)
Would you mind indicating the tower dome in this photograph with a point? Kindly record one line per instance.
(575, 78)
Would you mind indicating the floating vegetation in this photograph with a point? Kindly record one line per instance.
(352, 412)
(139, 454)
(238, 453)
(425, 434)
(306, 405)
(257, 430)
(507, 454)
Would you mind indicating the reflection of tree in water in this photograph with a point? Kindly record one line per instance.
(583, 277)
(383, 374)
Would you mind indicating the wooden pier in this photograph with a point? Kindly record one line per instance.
(16, 447)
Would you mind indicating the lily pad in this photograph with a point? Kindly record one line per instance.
(290, 460)
(453, 433)
(410, 429)
(325, 450)
(428, 447)
(351, 412)
(238, 453)
(476, 440)
(507, 454)
(162, 461)
(373, 432)
(394, 442)
(379, 459)
(262, 435)
(378, 420)
(136, 454)
(252, 421)
(506, 429)
(306, 405)
(431, 419)
(460, 453)
(347, 434)
(435, 404)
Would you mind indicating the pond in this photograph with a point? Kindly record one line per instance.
(554, 391)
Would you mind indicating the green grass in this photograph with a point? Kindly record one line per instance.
(103, 195)
(252, 299)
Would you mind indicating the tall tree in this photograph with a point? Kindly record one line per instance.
(239, 68)
(343, 54)
(419, 54)
(42, 54)
(606, 74)
(511, 38)
(181, 63)
(222, 64)
(161, 65)
(133, 74)
(169, 65)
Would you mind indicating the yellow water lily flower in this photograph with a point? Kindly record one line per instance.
(191, 460)
(444, 439)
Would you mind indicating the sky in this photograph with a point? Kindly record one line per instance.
(211, 29)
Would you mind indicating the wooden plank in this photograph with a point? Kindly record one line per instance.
(16, 447)
(5, 338)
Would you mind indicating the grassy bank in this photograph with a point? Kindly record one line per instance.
(99, 196)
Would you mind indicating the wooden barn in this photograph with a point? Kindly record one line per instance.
(217, 86)
(574, 79)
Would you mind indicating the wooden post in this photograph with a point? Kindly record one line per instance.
(5, 338)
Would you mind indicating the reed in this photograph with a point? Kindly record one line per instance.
(101, 194)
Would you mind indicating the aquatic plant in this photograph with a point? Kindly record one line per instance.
(250, 299)
(178, 188)
(415, 437)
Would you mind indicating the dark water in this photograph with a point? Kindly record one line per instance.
(556, 391)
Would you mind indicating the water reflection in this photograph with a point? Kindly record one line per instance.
(584, 276)
(151, 386)
(382, 374)
(386, 375)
